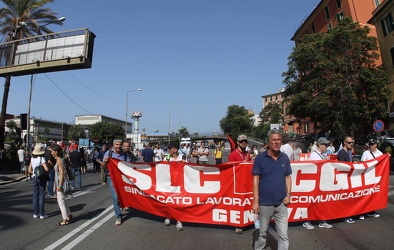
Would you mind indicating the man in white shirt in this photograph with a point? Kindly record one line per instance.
(288, 149)
(370, 154)
(159, 153)
(317, 155)
(21, 157)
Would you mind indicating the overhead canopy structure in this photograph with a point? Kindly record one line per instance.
(47, 53)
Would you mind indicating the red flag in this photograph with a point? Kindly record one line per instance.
(232, 143)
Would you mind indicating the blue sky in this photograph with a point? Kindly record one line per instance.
(200, 56)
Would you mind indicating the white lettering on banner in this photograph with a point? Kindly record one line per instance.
(298, 213)
(304, 185)
(192, 176)
(370, 173)
(333, 176)
(334, 197)
(226, 201)
(232, 216)
(143, 181)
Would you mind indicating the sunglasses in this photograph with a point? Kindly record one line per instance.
(244, 141)
(350, 142)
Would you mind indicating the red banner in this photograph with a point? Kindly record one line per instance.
(222, 194)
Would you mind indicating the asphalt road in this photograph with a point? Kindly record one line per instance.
(93, 227)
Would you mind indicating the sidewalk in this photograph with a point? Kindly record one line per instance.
(8, 177)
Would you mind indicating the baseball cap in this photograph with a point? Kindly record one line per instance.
(242, 137)
(372, 142)
(323, 140)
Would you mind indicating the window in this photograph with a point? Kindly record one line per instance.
(392, 56)
(270, 98)
(377, 3)
(339, 4)
(327, 11)
(306, 31)
(387, 24)
(313, 28)
(340, 16)
(329, 26)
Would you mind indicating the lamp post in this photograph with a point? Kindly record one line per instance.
(169, 125)
(61, 19)
(127, 106)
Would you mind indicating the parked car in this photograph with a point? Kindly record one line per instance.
(387, 135)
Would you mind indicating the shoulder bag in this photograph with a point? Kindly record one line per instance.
(40, 172)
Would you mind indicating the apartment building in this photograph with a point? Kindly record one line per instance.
(382, 18)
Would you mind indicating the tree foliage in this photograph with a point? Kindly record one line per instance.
(76, 132)
(22, 19)
(333, 79)
(236, 122)
(184, 132)
(106, 132)
(271, 113)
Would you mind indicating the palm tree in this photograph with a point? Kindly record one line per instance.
(21, 19)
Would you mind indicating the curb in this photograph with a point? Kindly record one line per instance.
(6, 180)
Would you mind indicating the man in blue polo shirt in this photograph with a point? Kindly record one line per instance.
(271, 190)
(116, 153)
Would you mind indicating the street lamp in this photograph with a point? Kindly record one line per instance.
(127, 104)
(61, 19)
(169, 125)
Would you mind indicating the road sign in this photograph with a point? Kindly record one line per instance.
(378, 126)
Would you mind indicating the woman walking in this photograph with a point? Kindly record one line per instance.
(62, 184)
(39, 185)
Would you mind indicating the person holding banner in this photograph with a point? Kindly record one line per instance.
(318, 155)
(272, 190)
(240, 154)
(174, 155)
(370, 154)
(117, 153)
(345, 154)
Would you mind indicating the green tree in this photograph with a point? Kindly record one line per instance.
(184, 132)
(106, 132)
(22, 19)
(11, 135)
(271, 113)
(76, 132)
(261, 131)
(236, 122)
(333, 79)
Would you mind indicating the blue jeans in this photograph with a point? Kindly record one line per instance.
(38, 196)
(50, 182)
(77, 174)
(280, 215)
(115, 201)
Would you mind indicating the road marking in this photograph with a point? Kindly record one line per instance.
(83, 192)
(87, 232)
(75, 231)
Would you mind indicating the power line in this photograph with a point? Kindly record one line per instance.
(67, 95)
(92, 89)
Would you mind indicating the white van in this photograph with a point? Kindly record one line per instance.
(185, 141)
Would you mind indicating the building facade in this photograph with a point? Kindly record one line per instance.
(382, 18)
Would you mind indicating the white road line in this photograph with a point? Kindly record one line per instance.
(83, 192)
(87, 232)
(75, 231)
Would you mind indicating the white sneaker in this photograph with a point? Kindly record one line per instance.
(179, 226)
(361, 217)
(325, 224)
(43, 216)
(118, 222)
(35, 216)
(167, 222)
(308, 225)
(373, 214)
(348, 220)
